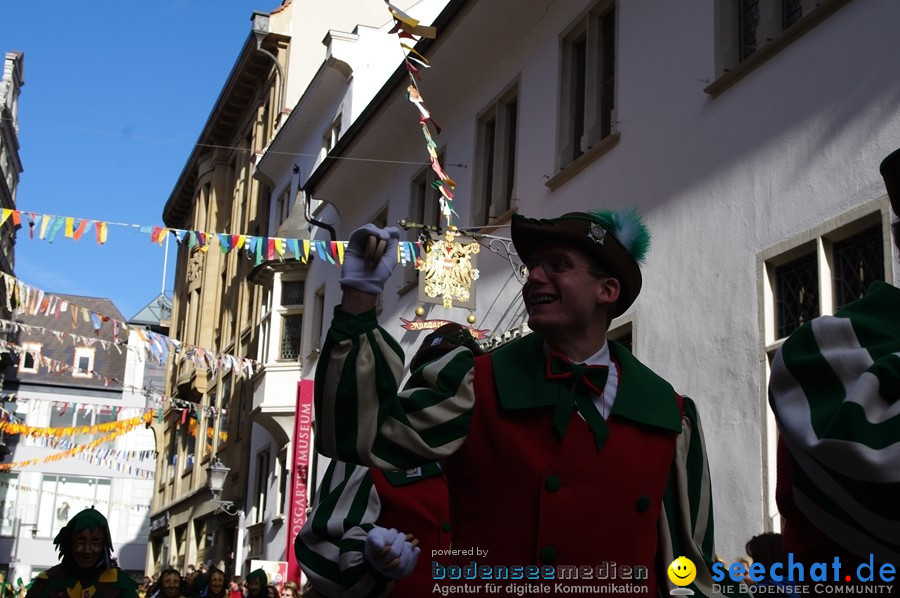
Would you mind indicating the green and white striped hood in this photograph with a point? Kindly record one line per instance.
(834, 389)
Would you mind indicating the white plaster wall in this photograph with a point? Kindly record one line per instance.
(793, 144)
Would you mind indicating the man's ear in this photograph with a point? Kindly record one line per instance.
(608, 290)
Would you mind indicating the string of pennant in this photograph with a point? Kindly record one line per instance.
(408, 28)
(53, 366)
(257, 248)
(13, 428)
(182, 408)
(78, 449)
(17, 487)
(89, 341)
(25, 299)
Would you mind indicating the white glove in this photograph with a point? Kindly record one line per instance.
(364, 277)
(390, 553)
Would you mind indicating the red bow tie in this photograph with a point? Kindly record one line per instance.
(583, 378)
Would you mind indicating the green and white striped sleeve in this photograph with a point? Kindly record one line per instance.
(330, 545)
(686, 521)
(362, 417)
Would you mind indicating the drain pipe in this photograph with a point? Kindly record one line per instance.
(306, 213)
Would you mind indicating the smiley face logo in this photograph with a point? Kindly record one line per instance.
(682, 571)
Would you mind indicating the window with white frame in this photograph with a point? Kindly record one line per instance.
(83, 366)
(291, 312)
(30, 358)
(587, 79)
(749, 31)
(496, 158)
(63, 496)
(424, 208)
(816, 274)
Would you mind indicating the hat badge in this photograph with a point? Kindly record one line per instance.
(597, 233)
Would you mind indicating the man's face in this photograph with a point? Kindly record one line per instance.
(217, 583)
(171, 585)
(562, 297)
(87, 547)
(254, 585)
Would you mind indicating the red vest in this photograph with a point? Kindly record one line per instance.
(419, 508)
(531, 497)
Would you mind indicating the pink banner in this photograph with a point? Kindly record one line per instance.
(300, 471)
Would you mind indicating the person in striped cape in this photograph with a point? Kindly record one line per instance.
(560, 449)
(357, 506)
(834, 390)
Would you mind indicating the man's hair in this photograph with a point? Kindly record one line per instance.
(895, 232)
(170, 571)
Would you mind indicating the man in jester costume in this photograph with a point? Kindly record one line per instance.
(560, 448)
(358, 512)
(88, 569)
(834, 390)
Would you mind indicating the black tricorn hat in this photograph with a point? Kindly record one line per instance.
(443, 340)
(618, 241)
(890, 170)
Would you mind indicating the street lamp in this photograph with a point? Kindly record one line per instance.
(261, 30)
(216, 474)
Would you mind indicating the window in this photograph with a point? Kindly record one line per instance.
(814, 275)
(319, 315)
(822, 275)
(83, 366)
(188, 431)
(283, 479)
(63, 496)
(30, 359)
(282, 208)
(588, 83)
(330, 137)
(496, 158)
(751, 31)
(180, 546)
(70, 415)
(623, 334)
(262, 485)
(424, 208)
(221, 418)
(9, 489)
(291, 318)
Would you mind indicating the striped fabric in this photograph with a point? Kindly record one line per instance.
(834, 389)
(430, 420)
(329, 547)
(399, 430)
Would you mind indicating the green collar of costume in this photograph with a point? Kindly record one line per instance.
(642, 397)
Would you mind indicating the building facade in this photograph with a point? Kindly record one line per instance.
(10, 169)
(749, 139)
(232, 305)
(73, 369)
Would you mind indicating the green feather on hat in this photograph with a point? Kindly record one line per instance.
(629, 229)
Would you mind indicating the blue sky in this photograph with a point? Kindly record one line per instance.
(115, 96)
